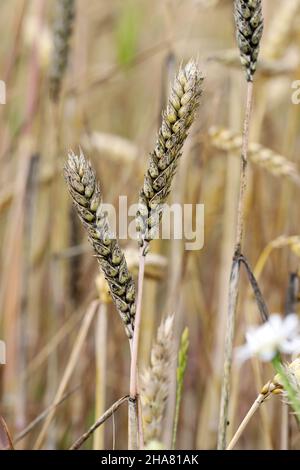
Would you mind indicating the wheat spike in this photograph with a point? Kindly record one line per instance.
(249, 28)
(62, 30)
(155, 381)
(287, 384)
(225, 139)
(176, 121)
(86, 195)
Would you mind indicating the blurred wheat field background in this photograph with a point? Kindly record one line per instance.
(64, 339)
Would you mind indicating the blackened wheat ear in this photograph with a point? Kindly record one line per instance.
(86, 194)
(62, 30)
(176, 121)
(249, 29)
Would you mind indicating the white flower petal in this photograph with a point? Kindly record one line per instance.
(291, 325)
(267, 354)
(242, 354)
(277, 334)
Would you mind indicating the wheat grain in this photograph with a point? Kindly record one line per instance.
(155, 381)
(225, 139)
(62, 30)
(86, 195)
(249, 27)
(176, 121)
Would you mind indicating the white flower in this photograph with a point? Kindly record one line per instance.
(276, 335)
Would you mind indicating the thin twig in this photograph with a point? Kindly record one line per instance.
(43, 415)
(69, 368)
(259, 400)
(235, 276)
(108, 413)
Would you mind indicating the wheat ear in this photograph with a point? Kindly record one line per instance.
(62, 31)
(278, 165)
(86, 194)
(163, 161)
(249, 28)
(155, 381)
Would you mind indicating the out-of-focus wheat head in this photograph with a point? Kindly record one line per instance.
(249, 29)
(293, 373)
(279, 32)
(62, 30)
(276, 385)
(86, 194)
(225, 139)
(155, 381)
(163, 161)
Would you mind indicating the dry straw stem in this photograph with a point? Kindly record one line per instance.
(155, 381)
(163, 161)
(62, 30)
(72, 362)
(36, 421)
(86, 194)
(108, 413)
(101, 358)
(234, 278)
(226, 140)
(5, 437)
(249, 27)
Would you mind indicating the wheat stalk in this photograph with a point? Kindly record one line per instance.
(155, 380)
(278, 165)
(86, 195)
(176, 121)
(62, 30)
(249, 28)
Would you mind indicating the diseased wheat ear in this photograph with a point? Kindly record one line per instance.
(163, 161)
(62, 30)
(249, 29)
(155, 381)
(85, 191)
